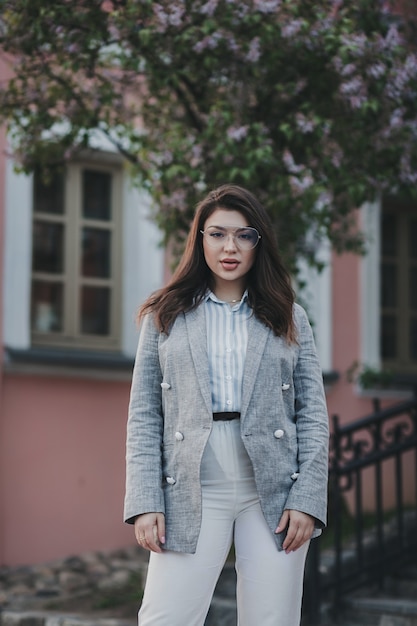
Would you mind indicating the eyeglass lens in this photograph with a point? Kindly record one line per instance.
(245, 238)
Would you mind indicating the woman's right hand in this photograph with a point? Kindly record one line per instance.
(150, 531)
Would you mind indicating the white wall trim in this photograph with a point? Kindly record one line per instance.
(17, 258)
(143, 260)
(370, 287)
(317, 298)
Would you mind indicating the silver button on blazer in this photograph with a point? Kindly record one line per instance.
(284, 425)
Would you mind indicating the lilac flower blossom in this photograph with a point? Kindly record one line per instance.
(292, 28)
(209, 7)
(176, 200)
(407, 173)
(376, 70)
(171, 17)
(267, 6)
(356, 44)
(290, 164)
(354, 87)
(254, 51)
(396, 119)
(347, 70)
(237, 132)
(304, 124)
(210, 42)
(300, 185)
(196, 155)
(400, 77)
(392, 38)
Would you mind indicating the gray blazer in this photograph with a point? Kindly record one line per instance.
(284, 425)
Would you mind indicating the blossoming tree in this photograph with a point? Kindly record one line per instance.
(312, 105)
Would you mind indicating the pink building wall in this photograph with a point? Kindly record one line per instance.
(62, 451)
(345, 336)
(2, 181)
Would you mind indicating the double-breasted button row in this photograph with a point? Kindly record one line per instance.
(278, 434)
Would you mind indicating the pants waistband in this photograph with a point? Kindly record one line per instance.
(226, 416)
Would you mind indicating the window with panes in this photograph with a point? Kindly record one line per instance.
(399, 287)
(75, 257)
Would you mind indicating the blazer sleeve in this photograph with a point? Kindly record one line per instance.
(309, 491)
(144, 429)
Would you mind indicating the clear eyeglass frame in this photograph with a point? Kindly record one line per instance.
(245, 238)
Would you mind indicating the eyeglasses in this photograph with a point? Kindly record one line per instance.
(245, 238)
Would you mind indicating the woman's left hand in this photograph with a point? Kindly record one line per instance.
(300, 527)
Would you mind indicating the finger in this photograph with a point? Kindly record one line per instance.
(283, 522)
(302, 534)
(141, 540)
(290, 538)
(152, 539)
(140, 536)
(294, 543)
(160, 524)
(138, 532)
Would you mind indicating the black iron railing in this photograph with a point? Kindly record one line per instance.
(369, 460)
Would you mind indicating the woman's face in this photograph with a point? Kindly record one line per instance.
(228, 263)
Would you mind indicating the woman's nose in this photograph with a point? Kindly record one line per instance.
(230, 243)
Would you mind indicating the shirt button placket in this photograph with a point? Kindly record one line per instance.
(229, 335)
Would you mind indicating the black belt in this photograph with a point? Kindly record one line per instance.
(226, 416)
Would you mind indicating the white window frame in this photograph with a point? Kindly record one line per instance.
(370, 311)
(73, 222)
(142, 259)
(370, 287)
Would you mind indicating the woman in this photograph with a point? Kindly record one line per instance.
(228, 429)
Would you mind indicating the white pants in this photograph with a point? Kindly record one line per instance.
(180, 586)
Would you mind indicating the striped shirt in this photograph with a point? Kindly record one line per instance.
(227, 338)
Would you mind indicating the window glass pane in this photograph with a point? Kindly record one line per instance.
(96, 252)
(46, 307)
(49, 196)
(389, 235)
(389, 336)
(95, 310)
(413, 288)
(413, 238)
(48, 247)
(96, 195)
(389, 285)
(413, 339)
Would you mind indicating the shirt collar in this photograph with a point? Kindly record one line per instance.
(211, 296)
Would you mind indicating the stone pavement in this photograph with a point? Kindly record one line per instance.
(65, 592)
(56, 593)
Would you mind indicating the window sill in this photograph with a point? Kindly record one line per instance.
(65, 362)
(403, 387)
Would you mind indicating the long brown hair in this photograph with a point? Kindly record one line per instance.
(270, 294)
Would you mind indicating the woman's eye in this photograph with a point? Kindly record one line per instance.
(217, 235)
(245, 236)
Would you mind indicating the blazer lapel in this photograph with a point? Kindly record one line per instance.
(258, 334)
(195, 321)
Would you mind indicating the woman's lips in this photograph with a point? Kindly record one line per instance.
(229, 264)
